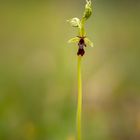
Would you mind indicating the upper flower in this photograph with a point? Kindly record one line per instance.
(82, 40)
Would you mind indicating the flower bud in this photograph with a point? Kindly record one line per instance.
(88, 10)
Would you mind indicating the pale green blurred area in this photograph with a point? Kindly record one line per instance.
(38, 83)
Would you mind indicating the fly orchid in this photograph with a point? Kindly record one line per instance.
(82, 42)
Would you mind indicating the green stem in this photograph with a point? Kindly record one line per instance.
(79, 104)
(82, 30)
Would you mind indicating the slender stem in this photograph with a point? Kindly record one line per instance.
(82, 30)
(79, 104)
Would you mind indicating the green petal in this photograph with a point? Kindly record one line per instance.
(88, 42)
(73, 40)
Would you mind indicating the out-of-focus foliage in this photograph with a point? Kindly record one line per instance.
(38, 71)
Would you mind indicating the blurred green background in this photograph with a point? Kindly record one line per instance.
(38, 83)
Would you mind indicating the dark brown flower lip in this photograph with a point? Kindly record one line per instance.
(81, 45)
(81, 52)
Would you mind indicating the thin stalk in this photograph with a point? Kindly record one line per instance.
(79, 103)
(82, 30)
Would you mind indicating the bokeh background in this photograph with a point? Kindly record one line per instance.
(38, 83)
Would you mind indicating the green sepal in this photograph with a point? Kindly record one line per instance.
(88, 42)
(74, 40)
